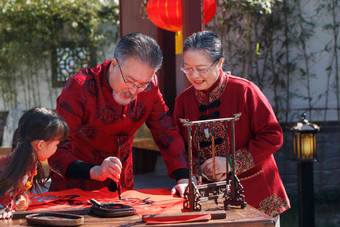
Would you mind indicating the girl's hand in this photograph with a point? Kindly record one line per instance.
(22, 203)
(6, 215)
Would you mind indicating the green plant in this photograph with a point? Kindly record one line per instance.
(32, 30)
(332, 49)
(249, 32)
(271, 44)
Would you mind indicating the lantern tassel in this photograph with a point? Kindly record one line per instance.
(179, 42)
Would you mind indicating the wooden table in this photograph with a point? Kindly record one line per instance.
(234, 217)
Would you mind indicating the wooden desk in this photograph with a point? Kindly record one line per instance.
(234, 217)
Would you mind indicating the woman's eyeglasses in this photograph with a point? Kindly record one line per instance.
(200, 72)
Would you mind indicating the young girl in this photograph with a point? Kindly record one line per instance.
(36, 138)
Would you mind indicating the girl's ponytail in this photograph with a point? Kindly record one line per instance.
(19, 162)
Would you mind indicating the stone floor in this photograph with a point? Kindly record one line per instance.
(158, 179)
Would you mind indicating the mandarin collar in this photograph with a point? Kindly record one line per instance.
(104, 70)
(217, 82)
(214, 92)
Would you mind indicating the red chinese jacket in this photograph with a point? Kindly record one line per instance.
(97, 122)
(257, 136)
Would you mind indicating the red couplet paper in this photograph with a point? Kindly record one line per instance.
(177, 219)
(144, 201)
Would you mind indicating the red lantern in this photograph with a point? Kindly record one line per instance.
(167, 14)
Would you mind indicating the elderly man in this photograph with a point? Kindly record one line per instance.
(104, 107)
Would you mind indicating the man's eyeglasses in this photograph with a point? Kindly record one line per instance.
(129, 83)
(200, 72)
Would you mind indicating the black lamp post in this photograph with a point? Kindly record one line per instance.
(304, 146)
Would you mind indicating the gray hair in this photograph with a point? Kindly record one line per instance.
(141, 47)
(207, 41)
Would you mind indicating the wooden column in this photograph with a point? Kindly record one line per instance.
(192, 17)
(168, 71)
(133, 18)
(192, 21)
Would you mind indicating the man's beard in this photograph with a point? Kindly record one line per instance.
(121, 101)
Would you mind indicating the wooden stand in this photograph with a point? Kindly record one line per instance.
(235, 196)
(195, 193)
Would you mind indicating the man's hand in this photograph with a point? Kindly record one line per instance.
(111, 168)
(220, 168)
(180, 187)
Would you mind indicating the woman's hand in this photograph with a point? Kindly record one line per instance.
(220, 168)
(111, 168)
(180, 187)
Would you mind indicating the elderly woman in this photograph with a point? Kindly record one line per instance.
(217, 94)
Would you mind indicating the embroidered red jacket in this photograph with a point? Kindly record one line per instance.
(257, 136)
(97, 122)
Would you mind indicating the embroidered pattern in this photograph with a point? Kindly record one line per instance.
(98, 156)
(216, 93)
(123, 138)
(183, 158)
(108, 115)
(128, 178)
(243, 161)
(136, 112)
(274, 205)
(125, 150)
(221, 143)
(69, 83)
(66, 107)
(91, 87)
(164, 140)
(88, 131)
(166, 121)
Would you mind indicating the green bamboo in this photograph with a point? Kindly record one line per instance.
(335, 34)
(305, 55)
(286, 45)
(28, 37)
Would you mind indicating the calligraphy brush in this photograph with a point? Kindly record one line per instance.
(213, 153)
(113, 186)
(118, 182)
(199, 155)
(213, 158)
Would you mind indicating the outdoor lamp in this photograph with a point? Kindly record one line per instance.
(304, 140)
(304, 147)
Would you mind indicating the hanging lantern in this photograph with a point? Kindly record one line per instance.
(304, 140)
(167, 14)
